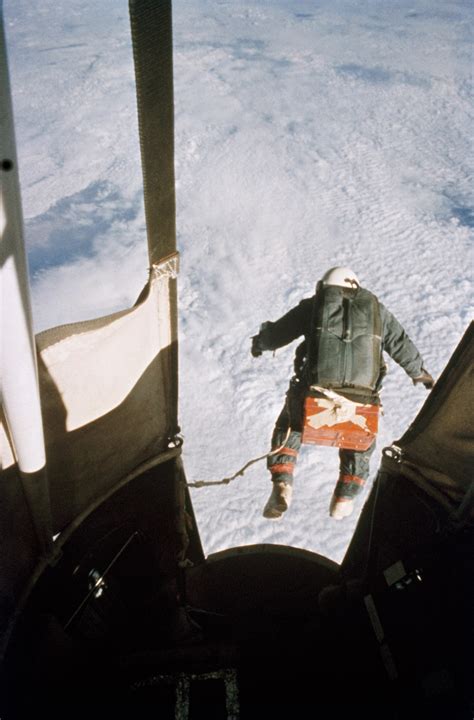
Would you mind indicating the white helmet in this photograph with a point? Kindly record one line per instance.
(342, 276)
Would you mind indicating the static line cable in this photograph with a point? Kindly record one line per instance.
(227, 480)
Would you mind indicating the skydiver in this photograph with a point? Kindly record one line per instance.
(346, 329)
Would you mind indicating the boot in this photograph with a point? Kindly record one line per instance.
(341, 507)
(279, 501)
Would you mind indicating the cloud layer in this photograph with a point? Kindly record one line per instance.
(307, 135)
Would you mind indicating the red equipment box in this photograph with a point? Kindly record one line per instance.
(349, 425)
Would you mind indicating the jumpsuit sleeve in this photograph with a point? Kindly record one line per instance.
(398, 345)
(274, 335)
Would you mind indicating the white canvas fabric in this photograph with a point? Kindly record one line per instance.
(108, 390)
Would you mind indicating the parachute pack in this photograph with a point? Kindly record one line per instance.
(345, 340)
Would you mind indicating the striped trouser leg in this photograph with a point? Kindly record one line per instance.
(282, 464)
(354, 466)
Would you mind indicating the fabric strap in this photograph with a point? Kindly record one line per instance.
(151, 25)
(152, 40)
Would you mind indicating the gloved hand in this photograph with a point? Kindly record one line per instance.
(256, 348)
(300, 357)
(425, 378)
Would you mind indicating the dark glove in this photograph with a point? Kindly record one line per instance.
(425, 378)
(256, 348)
(300, 357)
